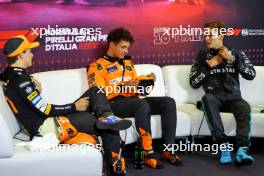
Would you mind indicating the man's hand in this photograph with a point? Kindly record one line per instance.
(82, 104)
(131, 86)
(37, 83)
(152, 75)
(223, 51)
(216, 60)
(132, 83)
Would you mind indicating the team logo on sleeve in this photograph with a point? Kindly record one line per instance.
(32, 95)
(99, 67)
(209, 55)
(29, 90)
(91, 75)
(243, 54)
(43, 107)
(91, 80)
(36, 100)
(40, 103)
(128, 68)
(47, 110)
(24, 84)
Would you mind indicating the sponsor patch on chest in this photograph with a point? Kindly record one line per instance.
(111, 69)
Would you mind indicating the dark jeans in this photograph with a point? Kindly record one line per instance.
(142, 109)
(213, 104)
(86, 121)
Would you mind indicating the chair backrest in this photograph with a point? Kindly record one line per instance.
(62, 86)
(65, 86)
(8, 127)
(176, 79)
(253, 91)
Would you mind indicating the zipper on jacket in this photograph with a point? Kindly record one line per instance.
(123, 74)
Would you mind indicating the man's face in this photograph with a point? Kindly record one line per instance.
(120, 49)
(27, 57)
(213, 40)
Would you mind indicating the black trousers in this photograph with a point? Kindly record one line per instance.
(224, 102)
(86, 121)
(142, 109)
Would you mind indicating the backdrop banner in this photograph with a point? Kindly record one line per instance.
(73, 33)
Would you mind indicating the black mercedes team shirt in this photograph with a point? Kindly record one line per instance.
(225, 76)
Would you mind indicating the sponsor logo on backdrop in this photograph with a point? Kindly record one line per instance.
(63, 39)
(59, 38)
(247, 32)
(165, 35)
(252, 32)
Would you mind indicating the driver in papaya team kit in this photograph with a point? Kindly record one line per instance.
(115, 71)
(23, 94)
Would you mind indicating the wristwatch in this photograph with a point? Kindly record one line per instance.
(230, 61)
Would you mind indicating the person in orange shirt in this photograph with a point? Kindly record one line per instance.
(115, 75)
(91, 113)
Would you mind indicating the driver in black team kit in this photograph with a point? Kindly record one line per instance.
(217, 70)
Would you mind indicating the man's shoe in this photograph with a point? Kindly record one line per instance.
(226, 157)
(151, 160)
(242, 157)
(172, 158)
(113, 123)
(117, 167)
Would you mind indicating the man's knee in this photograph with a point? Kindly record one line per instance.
(94, 89)
(243, 109)
(246, 107)
(169, 102)
(208, 98)
(143, 105)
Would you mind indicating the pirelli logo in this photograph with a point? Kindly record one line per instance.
(47, 110)
(32, 95)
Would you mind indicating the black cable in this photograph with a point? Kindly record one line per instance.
(21, 139)
(204, 114)
(14, 137)
(200, 125)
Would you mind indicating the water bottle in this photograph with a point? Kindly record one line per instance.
(139, 157)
